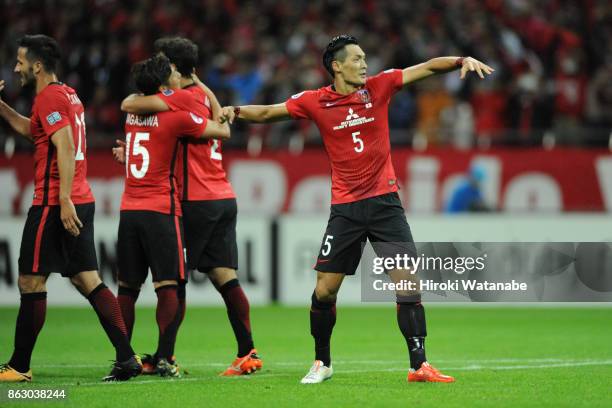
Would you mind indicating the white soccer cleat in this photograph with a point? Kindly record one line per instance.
(318, 373)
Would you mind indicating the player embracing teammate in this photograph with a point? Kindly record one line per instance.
(207, 200)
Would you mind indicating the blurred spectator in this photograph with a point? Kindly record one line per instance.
(467, 195)
(264, 51)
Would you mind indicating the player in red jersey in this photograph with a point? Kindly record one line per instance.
(150, 228)
(352, 116)
(208, 203)
(59, 234)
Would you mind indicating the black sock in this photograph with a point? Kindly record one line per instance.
(168, 316)
(127, 298)
(411, 321)
(109, 313)
(322, 321)
(238, 311)
(30, 321)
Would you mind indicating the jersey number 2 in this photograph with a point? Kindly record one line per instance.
(136, 149)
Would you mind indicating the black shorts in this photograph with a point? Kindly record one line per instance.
(148, 239)
(210, 233)
(47, 247)
(380, 219)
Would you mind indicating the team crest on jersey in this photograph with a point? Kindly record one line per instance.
(167, 92)
(53, 118)
(364, 95)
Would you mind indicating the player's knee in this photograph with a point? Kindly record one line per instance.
(85, 282)
(161, 284)
(135, 286)
(31, 284)
(220, 276)
(326, 292)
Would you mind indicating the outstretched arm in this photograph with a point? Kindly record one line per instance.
(143, 104)
(442, 65)
(256, 113)
(20, 123)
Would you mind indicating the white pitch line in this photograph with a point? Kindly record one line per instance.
(472, 367)
(363, 362)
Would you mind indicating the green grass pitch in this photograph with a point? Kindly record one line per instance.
(512, 357)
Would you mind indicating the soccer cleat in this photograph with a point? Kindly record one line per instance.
(9, 374)
(244, 365)
(427, 373)
(124, 370)
(149, 364)
(166, 368)
(318, 373)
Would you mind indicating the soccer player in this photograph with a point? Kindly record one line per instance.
(208, 203)
(150, 227)
(59, 233)
(351, 115)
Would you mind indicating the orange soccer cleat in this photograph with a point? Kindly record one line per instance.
(427, 373)
(9, 374)
(244, 365)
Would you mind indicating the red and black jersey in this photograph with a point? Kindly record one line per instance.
(152, 143)
(55, 107)
(355, 132)
(200, 170)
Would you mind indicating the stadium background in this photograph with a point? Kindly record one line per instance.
(539, 128)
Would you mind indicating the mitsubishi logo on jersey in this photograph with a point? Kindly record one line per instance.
(353, 119)
(351, 115)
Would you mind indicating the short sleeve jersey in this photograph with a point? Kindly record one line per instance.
(200, 172)
(355, 132)
(54, 108)
(152, 143)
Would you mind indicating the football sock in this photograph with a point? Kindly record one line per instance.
(30, 320)
(411, 321)
(127, 298)
(109, 313)
(168, 317)
(182, 296)
(238, 311)
(322, 321)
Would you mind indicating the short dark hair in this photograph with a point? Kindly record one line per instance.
(150, 74)
(41, 48)
(335, 47)
(182, 52)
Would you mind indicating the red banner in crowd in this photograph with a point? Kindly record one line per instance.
(515, 180)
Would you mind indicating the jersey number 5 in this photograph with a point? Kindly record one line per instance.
(357, 140)
(136, 149)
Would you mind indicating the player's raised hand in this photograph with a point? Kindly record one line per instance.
(228, 114)
(69, 218)
(472, 64)
(119, 151)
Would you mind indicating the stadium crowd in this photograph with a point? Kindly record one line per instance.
(553, 61)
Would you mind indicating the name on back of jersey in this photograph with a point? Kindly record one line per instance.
(143, 121)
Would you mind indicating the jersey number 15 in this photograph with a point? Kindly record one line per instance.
(134, 148)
